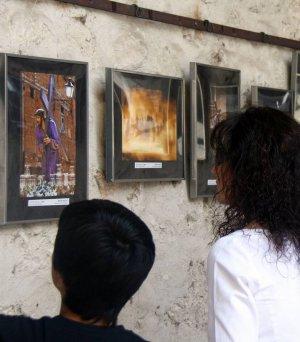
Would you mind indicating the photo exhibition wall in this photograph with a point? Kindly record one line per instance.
(44, 115)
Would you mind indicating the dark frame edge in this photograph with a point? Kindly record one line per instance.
(109, 129)
(294, 72)
(183, 129)
(87, 136)
(3, 139)
(193, 115)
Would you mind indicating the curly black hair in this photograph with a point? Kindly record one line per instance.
(261, 149)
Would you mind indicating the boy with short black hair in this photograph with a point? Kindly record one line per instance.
(103, 252)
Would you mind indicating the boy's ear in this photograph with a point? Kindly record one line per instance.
(58, 281)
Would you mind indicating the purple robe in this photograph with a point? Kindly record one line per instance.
(50, 156)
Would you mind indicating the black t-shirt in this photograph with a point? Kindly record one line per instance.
(59, 329)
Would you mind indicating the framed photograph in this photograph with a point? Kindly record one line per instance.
(215, 95)
(43, 152)
(295, 83)
(144, 127)
(281, 99)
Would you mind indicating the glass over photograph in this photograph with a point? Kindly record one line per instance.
(297, 100)
(144, 126)
(280, 99)
(48, 135)
(221, 103)
(148, 125)
(149, 130)
(215, 96)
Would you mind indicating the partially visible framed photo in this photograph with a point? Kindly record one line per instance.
(281, 99)
(295, 83)
(43, 152)
(144, 127)
(215, 95)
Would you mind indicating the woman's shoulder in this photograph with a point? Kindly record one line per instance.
(238, 256)
(239, 248)
(241, 240)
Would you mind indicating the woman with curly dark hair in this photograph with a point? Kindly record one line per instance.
(254, 268)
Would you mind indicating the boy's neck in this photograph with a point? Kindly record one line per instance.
(67, 313)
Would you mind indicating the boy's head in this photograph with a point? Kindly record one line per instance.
(103, 252)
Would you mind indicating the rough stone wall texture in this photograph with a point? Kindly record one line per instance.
(171, 305)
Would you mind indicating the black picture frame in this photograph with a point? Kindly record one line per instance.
(215, 94)
(127, 96)
(281, 99)
(15, 208)
(295, 83)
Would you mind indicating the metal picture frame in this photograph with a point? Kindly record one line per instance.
(35, 187)
(215, 94)
(295, 83)
(128, 97)
(276, 98)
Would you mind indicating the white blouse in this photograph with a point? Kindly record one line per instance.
(253, 296)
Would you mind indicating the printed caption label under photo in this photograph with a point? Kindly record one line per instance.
(148, 165)
(212, 182)
(48, 202)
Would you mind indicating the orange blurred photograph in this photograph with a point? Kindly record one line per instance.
(149, 129)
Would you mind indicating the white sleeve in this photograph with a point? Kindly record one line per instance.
(232, 310)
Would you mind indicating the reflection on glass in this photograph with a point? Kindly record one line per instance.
(297, 102)
(217, 98)
(216, 93)
(200, 125)
(275, 98)
(221, 99)
(48, 136)
(149, 119)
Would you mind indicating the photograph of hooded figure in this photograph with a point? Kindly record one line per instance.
(48, 135)
(47, 140)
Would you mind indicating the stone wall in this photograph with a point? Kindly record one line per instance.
(171, 306)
